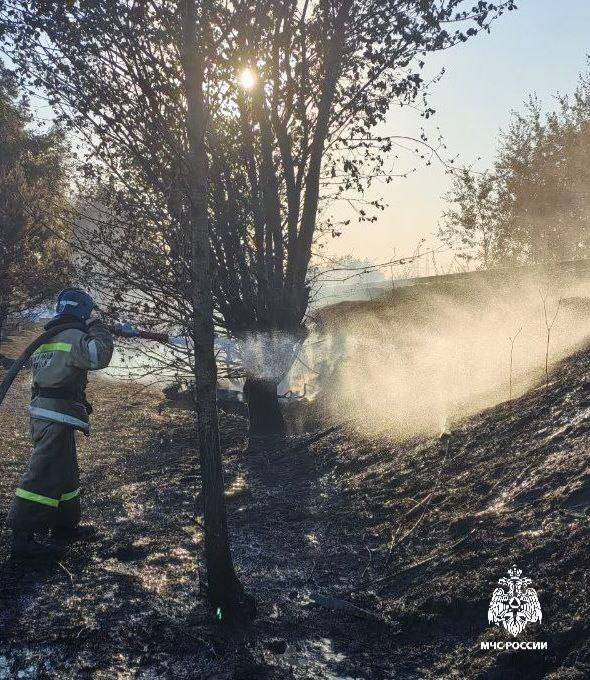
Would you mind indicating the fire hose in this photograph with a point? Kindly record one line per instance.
(121, 330)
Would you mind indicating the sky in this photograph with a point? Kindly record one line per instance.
(538, 49)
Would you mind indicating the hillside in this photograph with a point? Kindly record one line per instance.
(414, 535)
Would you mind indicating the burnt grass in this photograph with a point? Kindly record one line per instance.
(414, 534)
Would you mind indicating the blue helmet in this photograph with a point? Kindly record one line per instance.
(74, 302)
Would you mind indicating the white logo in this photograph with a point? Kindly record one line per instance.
(515, 604)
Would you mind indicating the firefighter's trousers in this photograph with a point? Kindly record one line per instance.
(49, 492)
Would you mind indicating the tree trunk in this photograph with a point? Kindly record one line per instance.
(264, 411)
(300, 256)
(224, 591)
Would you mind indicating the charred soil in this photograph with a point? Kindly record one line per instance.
(368, 559)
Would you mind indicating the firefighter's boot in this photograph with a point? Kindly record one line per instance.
(25, 547)
(81, 532)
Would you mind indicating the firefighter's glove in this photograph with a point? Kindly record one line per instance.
(126, 330)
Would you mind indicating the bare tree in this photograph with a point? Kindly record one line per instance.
(224, 590)
(512, 340)
(549, 323)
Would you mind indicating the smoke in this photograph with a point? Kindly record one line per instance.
(423, 361)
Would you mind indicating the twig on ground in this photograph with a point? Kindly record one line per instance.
(68, 572)
(549, 327)
(425, 501)
(311, 572)
(343, 605)
(369, 562)
(389, 577)
(312, 439)
(514, 481)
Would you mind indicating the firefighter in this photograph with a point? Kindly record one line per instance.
(48, 498)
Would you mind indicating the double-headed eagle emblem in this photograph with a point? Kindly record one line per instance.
(514, 605)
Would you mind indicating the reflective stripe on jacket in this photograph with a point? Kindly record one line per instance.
(62, 364)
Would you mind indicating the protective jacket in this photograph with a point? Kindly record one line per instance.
(60, 373)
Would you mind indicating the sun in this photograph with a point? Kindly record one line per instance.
(247, 78)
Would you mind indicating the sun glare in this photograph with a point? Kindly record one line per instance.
(247, 78)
